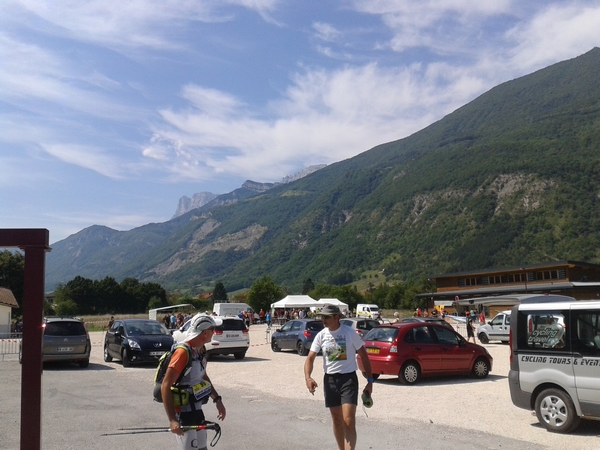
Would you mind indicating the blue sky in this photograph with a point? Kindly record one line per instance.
(110, 111)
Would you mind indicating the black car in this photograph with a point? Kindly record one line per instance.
(296, 335)
(136, 341)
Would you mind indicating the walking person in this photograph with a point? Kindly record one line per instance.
(339, 345)
(195, 382)
(470, 330)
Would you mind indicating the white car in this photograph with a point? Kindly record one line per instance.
(229, 338)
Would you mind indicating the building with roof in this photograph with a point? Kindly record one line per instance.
(476, 289)
(7, 303)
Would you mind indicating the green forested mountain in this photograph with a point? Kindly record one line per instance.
(511, 178)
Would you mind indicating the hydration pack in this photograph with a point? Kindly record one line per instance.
(161, 370)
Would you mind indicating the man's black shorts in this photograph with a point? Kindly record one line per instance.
(340, 388)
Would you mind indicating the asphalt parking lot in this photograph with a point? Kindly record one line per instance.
(269, 407)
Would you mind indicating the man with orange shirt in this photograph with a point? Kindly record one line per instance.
(195, 385)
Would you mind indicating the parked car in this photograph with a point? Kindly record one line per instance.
(359, 324)
(231, 337)
(437, 320)
(136, 341)
(297, 334)
(411, 350)
(497, 329)
(65, 339)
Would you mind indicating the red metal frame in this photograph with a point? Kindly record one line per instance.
(34, 243)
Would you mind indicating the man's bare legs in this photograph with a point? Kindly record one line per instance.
(344, 426)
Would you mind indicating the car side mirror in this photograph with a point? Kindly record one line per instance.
(462, 343)
(118, 333)
(490, 322)
(278, 330)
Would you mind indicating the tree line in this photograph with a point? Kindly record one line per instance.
(107, 296)
(84, 296)
(264, 291)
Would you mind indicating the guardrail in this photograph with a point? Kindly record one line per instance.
(9, 343)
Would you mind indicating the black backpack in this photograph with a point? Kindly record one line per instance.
(161, 370)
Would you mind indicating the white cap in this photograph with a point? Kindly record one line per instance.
(199, 323)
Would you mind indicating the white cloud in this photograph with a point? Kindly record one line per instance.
(89, 158)
(323, 117)
(155, 24)
(557, 33)
(326, 31)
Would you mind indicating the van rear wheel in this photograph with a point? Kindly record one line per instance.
(555, 410)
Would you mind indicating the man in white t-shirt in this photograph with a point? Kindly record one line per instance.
(339, 344)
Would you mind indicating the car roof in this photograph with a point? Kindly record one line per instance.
(62, 319)
(136, 320)
(356, 319)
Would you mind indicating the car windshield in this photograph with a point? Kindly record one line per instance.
(65, 328)
(145, 328)
(382, 334)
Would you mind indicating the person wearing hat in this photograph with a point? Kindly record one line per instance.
(200, 386)
(339, 344)
(470, 331)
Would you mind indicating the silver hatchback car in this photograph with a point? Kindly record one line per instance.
(66, 340)
(359, 324)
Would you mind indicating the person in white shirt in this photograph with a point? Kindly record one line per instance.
(339, 345)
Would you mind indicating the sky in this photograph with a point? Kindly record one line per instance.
(111, 111)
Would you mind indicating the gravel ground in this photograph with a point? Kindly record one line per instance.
(266, 396)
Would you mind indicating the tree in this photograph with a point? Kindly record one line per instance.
(66, 308)
(12, 273)
(219, 293)
(263, 292)
(308, 286)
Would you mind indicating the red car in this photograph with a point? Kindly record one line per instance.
(410, 350)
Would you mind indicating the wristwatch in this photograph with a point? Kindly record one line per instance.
(370, 380)
(217, 398)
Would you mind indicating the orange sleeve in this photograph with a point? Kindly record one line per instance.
(179, 359)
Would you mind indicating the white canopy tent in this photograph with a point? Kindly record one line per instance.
(331, 301)
(295, 301)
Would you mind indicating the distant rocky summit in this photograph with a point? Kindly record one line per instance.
(203, 198)
(187, 204)
(304, 172)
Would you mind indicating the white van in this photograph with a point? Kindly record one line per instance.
(231, 309)
(370, 311)
(555, 360)
(497, 329)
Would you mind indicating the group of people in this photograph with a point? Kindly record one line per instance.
(338, 343)
(173, 321)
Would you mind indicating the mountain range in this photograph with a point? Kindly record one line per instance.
(512, 177)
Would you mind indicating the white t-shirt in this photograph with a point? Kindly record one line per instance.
(339, 349)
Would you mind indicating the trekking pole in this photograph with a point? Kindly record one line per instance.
(142, 430)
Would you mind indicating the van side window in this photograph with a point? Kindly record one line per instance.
(586, 334)
(545, 330)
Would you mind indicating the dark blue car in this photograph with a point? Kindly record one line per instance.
(136, 341)
(296, 335)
